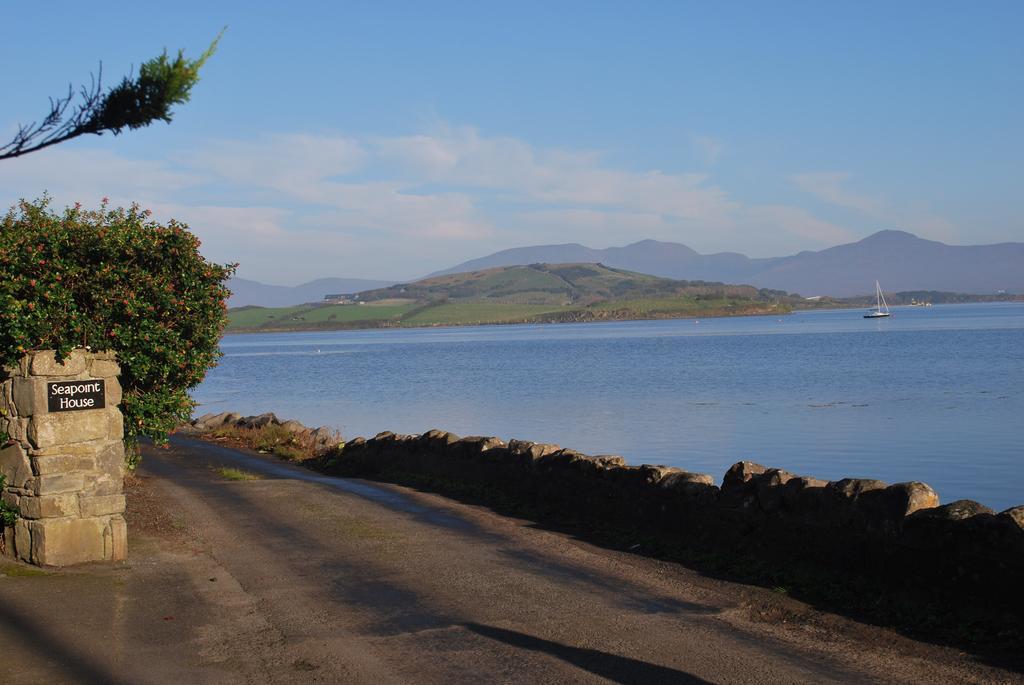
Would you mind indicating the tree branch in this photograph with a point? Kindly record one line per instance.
(134, 103)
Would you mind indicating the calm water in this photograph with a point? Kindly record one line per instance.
(933, 394)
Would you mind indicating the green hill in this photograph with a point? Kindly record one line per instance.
(520, 294)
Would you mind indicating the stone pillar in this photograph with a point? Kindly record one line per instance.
(64, 468)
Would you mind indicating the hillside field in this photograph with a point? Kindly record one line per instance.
(520, 294)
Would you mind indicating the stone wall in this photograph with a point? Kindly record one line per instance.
(64, 470)
(895, 536)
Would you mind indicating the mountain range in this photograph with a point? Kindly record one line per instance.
(901, 261)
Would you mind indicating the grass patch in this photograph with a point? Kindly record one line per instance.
(269, 439)
(228, 473)
(13, 570)
(305, 316)
(480, 312)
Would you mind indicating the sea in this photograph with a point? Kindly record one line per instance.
(933, 394)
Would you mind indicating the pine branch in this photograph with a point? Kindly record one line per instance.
(134, 103)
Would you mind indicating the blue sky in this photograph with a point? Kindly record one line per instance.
(388, 140)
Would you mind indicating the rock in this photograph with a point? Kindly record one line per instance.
(62, 463)
(527, 453)
(1014, 515)
(58, 542)
(46, 430)
(50, 506)
(45, 363)
(209, 422)
(102, 504)
(15, 465)
(201, 422)
(437, 440)
(294, 427)
(324, 438)
(882, 510)
(102, 368)
(259, 421)
(741, 472)
(738, 489)
(115, 539)
(678, 477)
(958, 510)
(769, 487)
(355, 444)
(690, 486)
(851, 488)
(475, 444)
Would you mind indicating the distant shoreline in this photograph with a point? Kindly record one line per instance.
(650, 316)
(711, 314)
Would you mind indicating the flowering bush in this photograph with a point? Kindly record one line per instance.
(113, 279)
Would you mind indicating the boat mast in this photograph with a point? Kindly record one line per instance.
(881, 297)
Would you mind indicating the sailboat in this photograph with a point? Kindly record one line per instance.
(881, 308)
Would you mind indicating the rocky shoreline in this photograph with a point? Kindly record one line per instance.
(962, 559)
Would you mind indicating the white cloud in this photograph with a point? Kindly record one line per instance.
(293, 207)
(289, 163)
(828, 185)
(799, 222)
(87, 175)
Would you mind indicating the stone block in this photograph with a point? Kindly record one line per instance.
(104, 368)
(16, 427)
(45, 363)
(47, 430)
(61, 463)
(8, 548)
(23, 540)
(103, 485)
(6, 400)
(86, 449)
(117, 540)
(29, 396)
(50, 506)
(113, 392)
(101, 505)
(109, 458)
(61, 542)
(57, 483)
(15, 466)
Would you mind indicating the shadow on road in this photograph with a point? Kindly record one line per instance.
(619, 669)
(54, 650)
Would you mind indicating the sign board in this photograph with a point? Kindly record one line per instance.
(76, 395)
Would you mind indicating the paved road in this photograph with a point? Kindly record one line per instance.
(295, 577)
